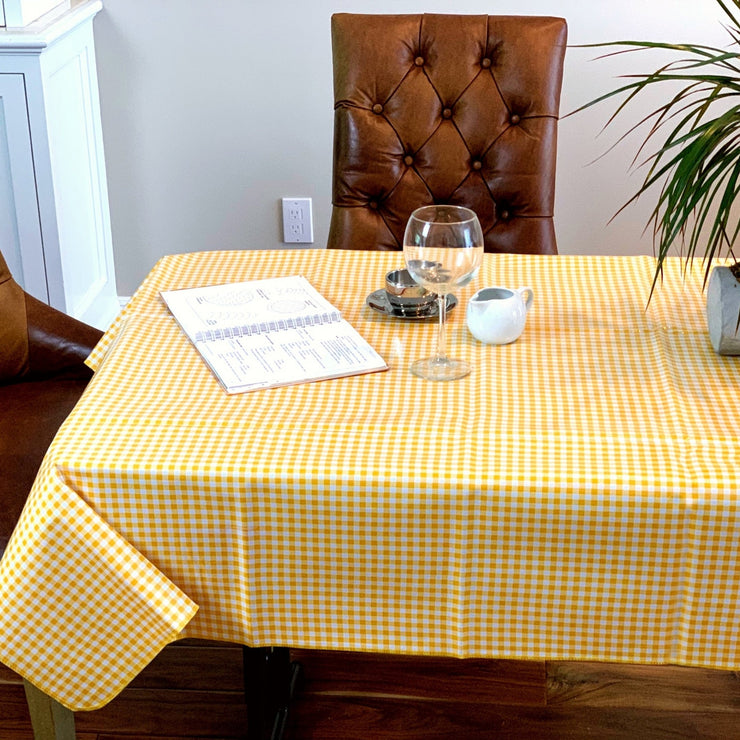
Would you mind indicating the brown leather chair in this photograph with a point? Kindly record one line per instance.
(42, 375)
(457, 109)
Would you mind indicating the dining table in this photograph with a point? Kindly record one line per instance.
(576, 497)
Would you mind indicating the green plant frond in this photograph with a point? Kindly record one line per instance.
(708, 140)
(707, 150)
(708, 56)
(689, 192)
(690, 146)
(628, 46)
(671, 222)
(666, 113)
(672, 217)
(731, 238)
(703, 56)
(682, 192)
(725, 60)
(660, 115)
(644, 81)
(734, 33)
(657, 278)
(688, 96)
(724, 209)
(712, 57)
(699, 227)
(633, 88)
(729, 12)
(689, 99)
(680, 164)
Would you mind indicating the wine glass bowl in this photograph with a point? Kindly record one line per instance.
(443, 249)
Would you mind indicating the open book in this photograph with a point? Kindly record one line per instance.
(266, 333)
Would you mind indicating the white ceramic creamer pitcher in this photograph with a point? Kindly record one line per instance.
(497, 315)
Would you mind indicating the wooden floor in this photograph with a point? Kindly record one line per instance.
(348, 696)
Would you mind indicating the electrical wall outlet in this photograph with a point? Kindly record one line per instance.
(297, 220)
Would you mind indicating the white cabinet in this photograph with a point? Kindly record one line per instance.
(54, 218)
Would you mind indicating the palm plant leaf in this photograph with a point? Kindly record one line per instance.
(691, 148)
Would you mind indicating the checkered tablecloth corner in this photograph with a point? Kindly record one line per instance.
(83, 611)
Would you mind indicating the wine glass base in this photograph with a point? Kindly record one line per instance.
(440, 368)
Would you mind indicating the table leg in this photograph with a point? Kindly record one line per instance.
(269, 682)
(49, 719)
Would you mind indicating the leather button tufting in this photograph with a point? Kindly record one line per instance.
(427, 109)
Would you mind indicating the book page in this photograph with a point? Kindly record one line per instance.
(233, 309)
(266, 333)
(290, 356)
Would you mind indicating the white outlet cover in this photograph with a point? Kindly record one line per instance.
(297, 221)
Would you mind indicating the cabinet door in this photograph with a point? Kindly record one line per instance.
(80, 195)
(54, 221)
(20, 227)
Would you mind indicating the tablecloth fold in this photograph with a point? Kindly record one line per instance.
(48, 588)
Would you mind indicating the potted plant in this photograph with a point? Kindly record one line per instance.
(691, 153)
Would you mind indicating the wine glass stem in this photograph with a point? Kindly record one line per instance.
(441, 334)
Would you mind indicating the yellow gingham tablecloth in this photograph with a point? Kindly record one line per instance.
(575, 497)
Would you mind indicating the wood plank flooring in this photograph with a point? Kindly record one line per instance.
(194, 690)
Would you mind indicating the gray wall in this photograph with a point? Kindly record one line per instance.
(214, 111)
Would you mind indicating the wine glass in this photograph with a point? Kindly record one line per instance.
(443, 248)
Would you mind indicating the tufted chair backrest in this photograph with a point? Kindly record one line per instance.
(458, 109)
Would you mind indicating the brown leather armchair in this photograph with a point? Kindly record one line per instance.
(457, 109)
(42, 375)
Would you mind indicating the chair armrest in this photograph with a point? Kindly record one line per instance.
(38, 342)
(58, 344)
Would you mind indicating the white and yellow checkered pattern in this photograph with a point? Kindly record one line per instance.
(575, 497)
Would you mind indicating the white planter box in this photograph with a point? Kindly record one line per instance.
(23, 12)
(723, 311)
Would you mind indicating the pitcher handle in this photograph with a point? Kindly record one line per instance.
(529, 296)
